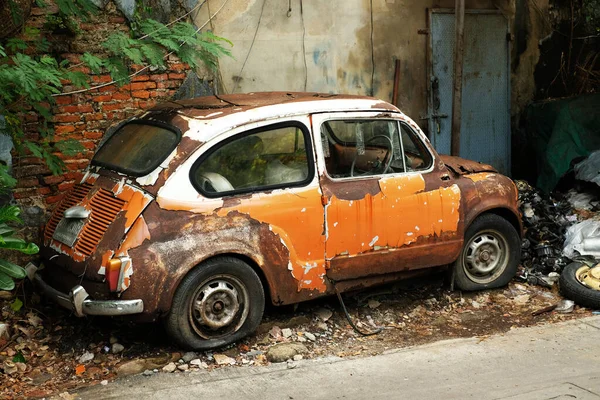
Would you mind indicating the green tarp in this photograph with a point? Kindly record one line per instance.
(561, 131)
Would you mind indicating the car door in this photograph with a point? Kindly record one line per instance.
(387, 206)
(265, 172)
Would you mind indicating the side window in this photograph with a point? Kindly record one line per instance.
(416, 155)
(361, 147)
(266, 158)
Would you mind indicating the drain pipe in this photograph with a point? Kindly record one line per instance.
(459, 46)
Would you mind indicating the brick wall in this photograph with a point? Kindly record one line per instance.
(85, 116)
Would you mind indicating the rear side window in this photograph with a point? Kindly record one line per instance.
(266, 158)
(137, 148)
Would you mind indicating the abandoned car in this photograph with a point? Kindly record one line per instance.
(199, 211)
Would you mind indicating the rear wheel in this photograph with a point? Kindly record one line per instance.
(490, 254)
(217, 303)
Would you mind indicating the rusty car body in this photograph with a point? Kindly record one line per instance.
(199, 211)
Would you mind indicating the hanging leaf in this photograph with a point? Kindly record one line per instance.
(12, 270)
(6, 282)
(12, 243)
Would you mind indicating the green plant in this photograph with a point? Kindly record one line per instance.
(31, 77)
(8, 241)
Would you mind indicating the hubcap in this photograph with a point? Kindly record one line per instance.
(589, 277)
(485, 256)
(219, 306)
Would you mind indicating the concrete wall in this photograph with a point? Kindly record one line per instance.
(327, 46)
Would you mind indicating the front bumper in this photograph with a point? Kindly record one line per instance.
(78, 302)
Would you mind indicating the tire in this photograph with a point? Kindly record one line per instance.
(490, 254)
(573, 289)
(229, 300)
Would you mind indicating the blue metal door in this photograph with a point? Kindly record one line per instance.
(485, 124)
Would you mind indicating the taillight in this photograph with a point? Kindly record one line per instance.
(115, 271)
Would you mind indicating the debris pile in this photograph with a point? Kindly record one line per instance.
(546, 220)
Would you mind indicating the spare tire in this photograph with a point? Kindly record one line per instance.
(572, 284)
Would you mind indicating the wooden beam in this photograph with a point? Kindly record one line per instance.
(396, 84)
(459, 47)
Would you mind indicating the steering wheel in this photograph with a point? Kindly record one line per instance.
(388, 152)
(211, 182)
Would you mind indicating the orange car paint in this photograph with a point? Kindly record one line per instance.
(392, 218)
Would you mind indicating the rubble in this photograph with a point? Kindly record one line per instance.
(545, 220)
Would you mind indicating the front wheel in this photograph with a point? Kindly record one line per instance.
(217, 303)
(490, 255)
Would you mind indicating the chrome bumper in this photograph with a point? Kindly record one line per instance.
(78, 302)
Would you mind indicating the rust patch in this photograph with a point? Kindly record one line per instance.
(350, 190)
(461, 166)
(481, 176)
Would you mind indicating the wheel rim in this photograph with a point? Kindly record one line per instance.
(485, 256)
(219, 307)
(589, 277)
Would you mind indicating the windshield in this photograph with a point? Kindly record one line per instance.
(137, 148)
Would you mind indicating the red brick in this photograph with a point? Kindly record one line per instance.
(44, 191)
(28, 183)
(146, 104)
(75, 136)
(140, 78)
(112, 107)
(53, 179)
(121, 96)
(101, 78)
(159, 77)
(76, 164)
(63, 100)
(142, 85)
(55, 199)
(167, 84)
(178, 67)
(106, 89)
(82, 69)
(115, 116)
(76, 176)
(141, 94)
(24, 193)
(102, 98)
(30, 160)
(73, 58)
(63, 187)
(89, 144)
(62, 129)
(92, 135)
(176, 76)
(117, 20)
(67, 118)
(94, 117)
(84, 108)
(31, 117)
(87, 27)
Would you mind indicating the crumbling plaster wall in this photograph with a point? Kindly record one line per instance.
(326, 47)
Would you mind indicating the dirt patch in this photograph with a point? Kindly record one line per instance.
(50, 352)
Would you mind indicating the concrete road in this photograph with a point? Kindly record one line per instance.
(559, 361)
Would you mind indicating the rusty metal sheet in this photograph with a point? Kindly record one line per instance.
(462, 166)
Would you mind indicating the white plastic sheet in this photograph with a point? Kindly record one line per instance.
(583, 239)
